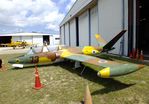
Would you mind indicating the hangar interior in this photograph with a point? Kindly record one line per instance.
(143, 26)
(5, 39)
(47, 39)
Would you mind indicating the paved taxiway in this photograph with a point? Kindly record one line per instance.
(10, 50)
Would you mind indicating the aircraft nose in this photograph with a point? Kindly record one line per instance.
(13, 61)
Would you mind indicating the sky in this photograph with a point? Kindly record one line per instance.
(43, 16)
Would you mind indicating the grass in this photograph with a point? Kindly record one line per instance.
(63, 85)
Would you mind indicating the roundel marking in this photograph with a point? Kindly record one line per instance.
(102, 61)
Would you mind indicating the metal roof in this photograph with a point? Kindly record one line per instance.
(25, 34)
(76, 8)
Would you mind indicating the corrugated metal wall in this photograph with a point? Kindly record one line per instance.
(55, 39)
(62, 35)
(37, 40)
(67, 34)
(16, 38)
(73, 32)
(51, 40)
(94, 24)
(27, 38)
(84, 29)
(110, 20)
(107, 17)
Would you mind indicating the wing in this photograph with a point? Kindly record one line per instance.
(104, 67)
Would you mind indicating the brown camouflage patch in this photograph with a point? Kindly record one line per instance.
(75, 50)
(98, 61)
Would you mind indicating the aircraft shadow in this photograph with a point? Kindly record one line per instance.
(110, 84)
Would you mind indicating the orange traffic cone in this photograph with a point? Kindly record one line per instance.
(87, 96)
(130, 55)
(134, 53)
(137, 54)
(141, 55)
(38, 85)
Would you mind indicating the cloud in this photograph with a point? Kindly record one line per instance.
(30, 13)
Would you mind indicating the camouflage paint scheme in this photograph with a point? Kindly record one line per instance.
(104, 68)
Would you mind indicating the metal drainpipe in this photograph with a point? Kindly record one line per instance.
(69, 34)
(89, 26)
(98, 14)
(64, 35)
(122, 43)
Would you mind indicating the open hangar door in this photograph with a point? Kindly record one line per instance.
(143, 26)
(46, 38)
(5, 39)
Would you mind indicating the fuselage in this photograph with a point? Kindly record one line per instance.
(50, 57)
(40, 58)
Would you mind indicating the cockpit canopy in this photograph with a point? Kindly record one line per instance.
(41, 49)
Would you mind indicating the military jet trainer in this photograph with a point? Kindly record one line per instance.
(104, 68)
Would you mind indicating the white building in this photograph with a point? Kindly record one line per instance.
(107, 17)
(35, 38)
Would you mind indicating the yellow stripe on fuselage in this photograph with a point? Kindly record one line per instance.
(66, 53)
(44, 59)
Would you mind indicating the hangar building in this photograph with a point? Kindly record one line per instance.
(108, 18)
(35, 38)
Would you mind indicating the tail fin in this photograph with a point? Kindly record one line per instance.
(100, 40)
(109, 45)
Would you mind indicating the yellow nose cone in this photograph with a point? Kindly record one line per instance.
(104, 73)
